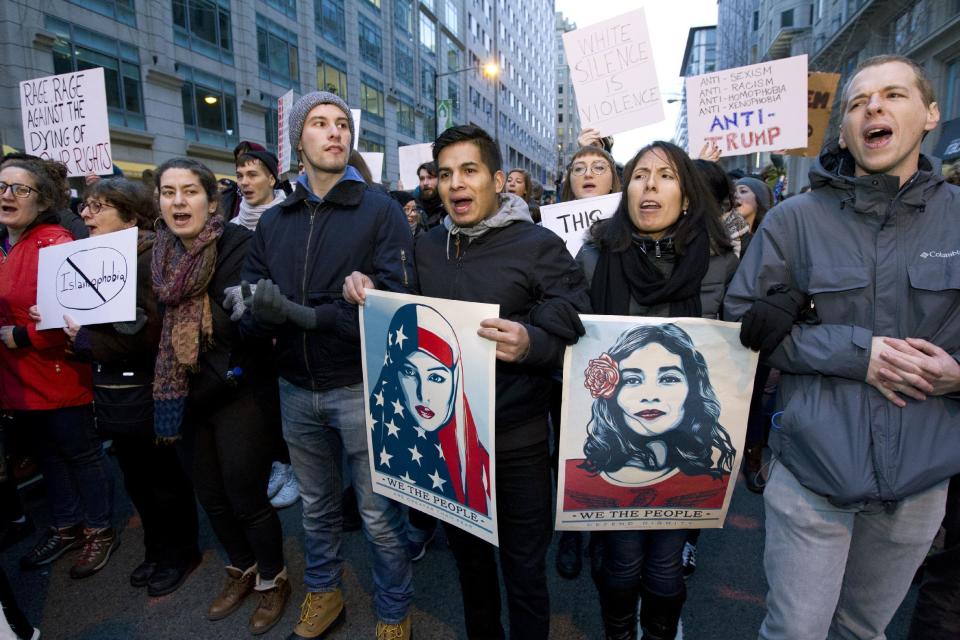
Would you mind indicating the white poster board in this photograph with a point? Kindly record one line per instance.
(65, 119)
(429, 393)
(374, 160)
(678, 391)
(284, 106)
(356, 113)
(614, 78)
(572, 220)
(93, 280)
(760, 107)
(411, 157)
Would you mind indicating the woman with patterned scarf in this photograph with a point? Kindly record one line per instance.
(214, 392)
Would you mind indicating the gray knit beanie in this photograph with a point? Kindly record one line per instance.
(760, 190)
(306, 103)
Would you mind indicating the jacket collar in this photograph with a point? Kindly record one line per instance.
(348, 191)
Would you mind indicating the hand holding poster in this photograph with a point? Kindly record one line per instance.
(429, 393)
(92, 280)
(760, 107)
(65, 119)
(613, 74)
(665, 387)
(411, 157)
(572, 220)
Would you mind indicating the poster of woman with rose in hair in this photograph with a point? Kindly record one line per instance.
(653, 422)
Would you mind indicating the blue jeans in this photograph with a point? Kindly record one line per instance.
(316, 424)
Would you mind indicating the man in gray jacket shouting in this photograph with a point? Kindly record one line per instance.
(869, 427)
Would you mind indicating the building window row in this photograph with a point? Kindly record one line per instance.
(209, 107)
(204, 26)
(277, 54)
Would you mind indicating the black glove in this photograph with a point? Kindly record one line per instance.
(771, 318)
(558, 317)
(270, 307)
(134, 326)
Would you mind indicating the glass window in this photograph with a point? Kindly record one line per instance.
(428, 80)
(453, 95)
(371, 46)
(428, 34)
(428, 4)
(403, 15)
(76, 49)
(331, 74)
(209, 108)
(270, 125)
(404, 60)
(951, 102)
(374, 3)
(371, 98)
(286, 7)
(204, 26)
(329, 20)
(452, 17)
(372, 142)
(405, 119)
(453, 55)
(277, 53)
(120, 10)
(786, 19)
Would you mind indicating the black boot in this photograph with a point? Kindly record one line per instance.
(618, 607)
(660, 616)
(569, 555)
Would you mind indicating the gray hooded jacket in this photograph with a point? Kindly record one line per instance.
(877, 260)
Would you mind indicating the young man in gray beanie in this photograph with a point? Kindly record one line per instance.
(302, 251)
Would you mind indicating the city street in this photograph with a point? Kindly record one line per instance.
(725, 595)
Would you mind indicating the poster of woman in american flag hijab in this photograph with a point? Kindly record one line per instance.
(429, 382)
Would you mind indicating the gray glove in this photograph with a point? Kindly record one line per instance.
(270, 307)
(134, 326)
(233, 301)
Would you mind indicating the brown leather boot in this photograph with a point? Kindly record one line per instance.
(274, 595)
(319, 613)
(238, 585)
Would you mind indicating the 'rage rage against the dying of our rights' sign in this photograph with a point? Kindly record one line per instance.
(613, 75)
(65, 119)
(571, 220)
(92, 280)
(760, 107)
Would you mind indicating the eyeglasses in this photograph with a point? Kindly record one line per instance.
(597, 169)
(19, 190)
(94, 206)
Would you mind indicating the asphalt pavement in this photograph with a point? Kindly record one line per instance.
(725, 595)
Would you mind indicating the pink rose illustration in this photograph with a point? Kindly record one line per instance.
(602, 376)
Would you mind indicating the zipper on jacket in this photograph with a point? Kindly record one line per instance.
(656, 244)
(303, 287)
(403, 264)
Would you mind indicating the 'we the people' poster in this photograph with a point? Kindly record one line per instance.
(653, 423)
(429, 389)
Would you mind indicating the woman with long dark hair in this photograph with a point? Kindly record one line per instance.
(663, 253)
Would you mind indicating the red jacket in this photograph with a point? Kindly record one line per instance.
(38, 376)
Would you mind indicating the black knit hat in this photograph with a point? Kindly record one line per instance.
(403, 197)
(257, 151)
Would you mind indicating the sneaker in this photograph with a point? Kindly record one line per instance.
(569, 555)
(417, 550)
(289, 493)
(54, 544)
(98, 544)
(399, 631)
(689, 559)
(319, 613)
(278, 476)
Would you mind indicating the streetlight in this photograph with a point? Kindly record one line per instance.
(490, 69)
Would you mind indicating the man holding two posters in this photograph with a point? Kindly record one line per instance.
(867, 436)
(489, 250)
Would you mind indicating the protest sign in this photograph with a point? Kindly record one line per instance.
(411, 157)
(572, 220)
(355, 113)
(614, 78)
(65, 119)
(92, 280)
(429, 392)
(374, 160)
(654, 417)
(284, 106)
(760, 107)
(821, 93)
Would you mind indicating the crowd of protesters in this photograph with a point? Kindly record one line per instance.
(239, 383)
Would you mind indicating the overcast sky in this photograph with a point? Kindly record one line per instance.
(668, 22)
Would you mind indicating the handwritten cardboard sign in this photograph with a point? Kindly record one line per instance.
(284, 106)
(374, 160)
(411, 157)
(821, 94)
(92, 280)
(614, 78)
(760, 107)
(571, 220)
(65, 119)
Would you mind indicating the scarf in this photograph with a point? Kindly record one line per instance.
(249, 216)
(624, 275)
(180, 280)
